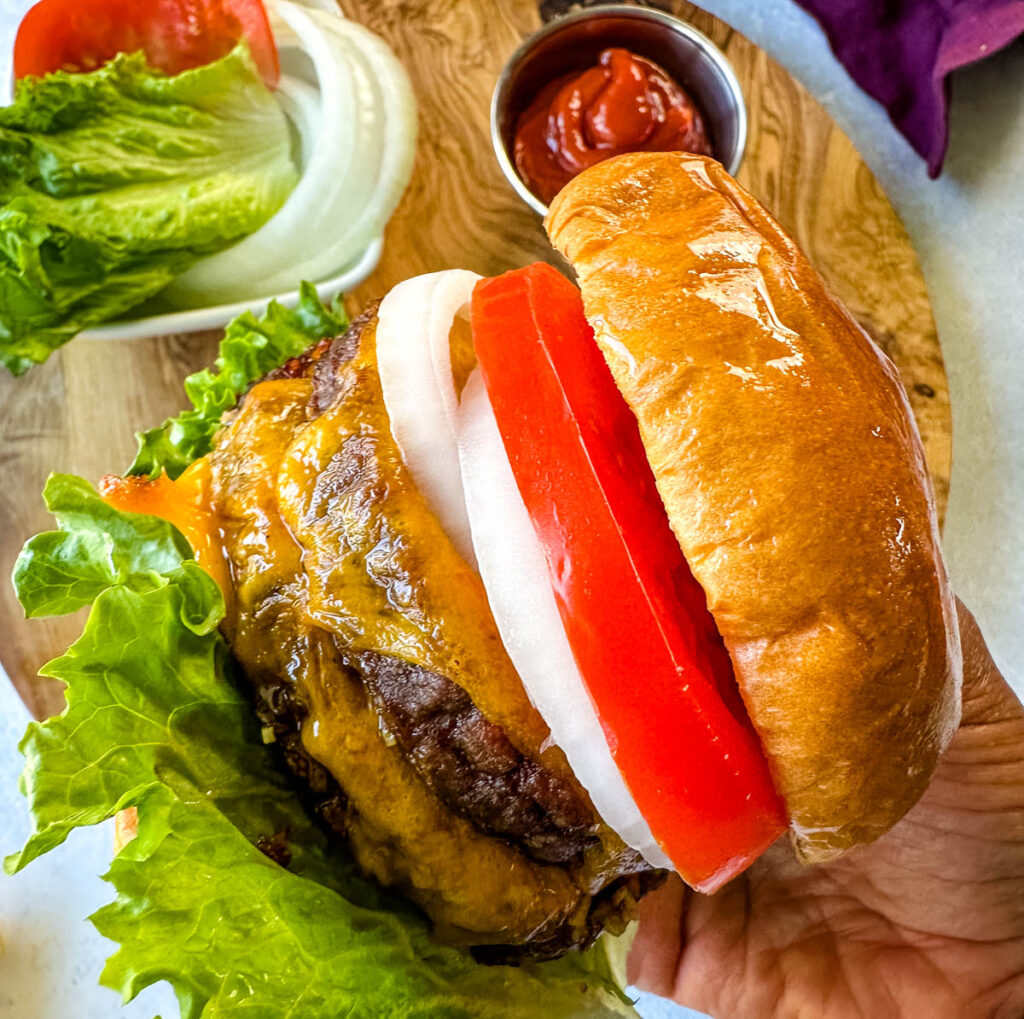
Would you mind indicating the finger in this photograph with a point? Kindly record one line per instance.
(660, 938)
(987, 697)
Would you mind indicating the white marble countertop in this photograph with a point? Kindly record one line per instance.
(968, 228)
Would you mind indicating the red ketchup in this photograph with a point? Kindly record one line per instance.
(625, 103)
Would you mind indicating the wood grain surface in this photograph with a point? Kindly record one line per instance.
(78, 412)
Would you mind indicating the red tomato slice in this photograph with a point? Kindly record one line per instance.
(254, 23)
(647, 647)
(175, 35)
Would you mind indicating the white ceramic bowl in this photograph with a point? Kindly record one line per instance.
(219, 315)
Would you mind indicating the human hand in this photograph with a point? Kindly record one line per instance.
(926, 922)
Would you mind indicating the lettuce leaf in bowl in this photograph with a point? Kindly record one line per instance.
(229, 892)
(114, 181)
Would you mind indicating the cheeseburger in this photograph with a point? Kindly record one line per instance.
(545, 589)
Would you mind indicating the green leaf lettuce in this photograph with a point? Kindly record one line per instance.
(155, 720)
(114, 181)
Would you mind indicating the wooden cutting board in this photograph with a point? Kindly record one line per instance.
(78, 412)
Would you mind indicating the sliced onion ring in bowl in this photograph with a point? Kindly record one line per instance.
(385, 144)
(515, 575)
(301, 104)
(414, 360)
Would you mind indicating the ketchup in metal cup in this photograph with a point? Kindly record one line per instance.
(625, 103)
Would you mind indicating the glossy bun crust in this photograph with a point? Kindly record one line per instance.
(792, 471)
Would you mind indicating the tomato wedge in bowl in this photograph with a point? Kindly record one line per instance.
(175, 35)
(654, 665)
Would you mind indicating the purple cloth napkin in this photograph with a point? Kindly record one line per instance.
(901, 52)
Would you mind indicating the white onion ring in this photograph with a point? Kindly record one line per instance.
(414, 360)
(515, 575)
(384, 150)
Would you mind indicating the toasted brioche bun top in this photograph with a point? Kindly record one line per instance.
(793, 475)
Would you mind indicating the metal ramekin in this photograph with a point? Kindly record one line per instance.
(574, 41)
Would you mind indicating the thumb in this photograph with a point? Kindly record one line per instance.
(987, 698)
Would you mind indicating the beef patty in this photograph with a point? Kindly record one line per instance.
(356, 560)
(471, 764)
